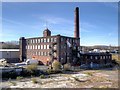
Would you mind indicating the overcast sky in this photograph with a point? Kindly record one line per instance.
(98, 21)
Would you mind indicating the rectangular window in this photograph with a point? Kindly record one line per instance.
(33, 46)
(33, 41)
(48, 54)
(55, 40)
(35, 53)
(44, 46)
(28, 47)
(47, 46)
(42, 40)
(61, 39)
(48, 40)
(51, 39)
(38, 46)
(39, 53)
(36, 41)
(45, 53)
(41, 46)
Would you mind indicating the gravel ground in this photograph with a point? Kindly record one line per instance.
(81, 79)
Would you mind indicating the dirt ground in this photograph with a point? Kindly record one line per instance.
(82, 79)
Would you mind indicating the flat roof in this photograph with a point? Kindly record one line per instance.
(9, 49)
(52, 36)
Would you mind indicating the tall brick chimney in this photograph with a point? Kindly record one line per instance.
(76, 31)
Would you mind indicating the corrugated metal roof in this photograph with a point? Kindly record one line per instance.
(9, 49)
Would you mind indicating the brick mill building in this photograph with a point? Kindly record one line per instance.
(65, 49)
(49, 48)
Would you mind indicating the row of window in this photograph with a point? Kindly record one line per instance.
(99, 57)
(42, 40)
(69, 40)
(37, 46)
(40, 54)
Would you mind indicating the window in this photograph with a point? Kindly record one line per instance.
(36, 53)
(44, 46)
(48, 40)
(33, 41)
(70, 40)
(41, 53)
(47, 46)
(45, 53)
(55, 39)
(44, 39)
(51, 39)
(33, 46)
(109, 57)
(61, 39)
(96, 57)
(73, 40)
(38, 46)
(48, 54)
(41, 46)
(103, 57)
(91, 57)
(36, 40)
(41, 40)
(26, 47)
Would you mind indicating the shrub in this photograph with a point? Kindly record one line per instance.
(51, 71)
(11, 74)
(42, 76)
(32, 69)
(34, 80)
(67, 67)
(19, 78)
(89, 73)
(56, 65)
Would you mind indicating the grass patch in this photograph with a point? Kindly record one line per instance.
(34, 81)
(116, 58)
(42, 76)
(89, 73)
(19, 78)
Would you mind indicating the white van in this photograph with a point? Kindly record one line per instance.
(31, 61)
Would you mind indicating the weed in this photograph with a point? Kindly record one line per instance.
(34, 80)
(42, 76)
(19, 78)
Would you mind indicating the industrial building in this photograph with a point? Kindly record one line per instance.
(48, 48)
(11, 55)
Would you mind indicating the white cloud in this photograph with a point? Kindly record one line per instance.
(87, 27)
(55, 20)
